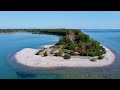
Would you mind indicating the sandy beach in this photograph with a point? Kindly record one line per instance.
(27, 57)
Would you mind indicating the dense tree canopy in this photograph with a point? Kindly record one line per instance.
(81, 43)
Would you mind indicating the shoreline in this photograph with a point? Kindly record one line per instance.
(27, 57)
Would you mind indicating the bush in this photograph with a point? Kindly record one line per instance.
(72, 53)
(104, 51)
(64, 40)
(99, 53)
(37, 53)
(58, 53)
(45, 54)
(100, 47)
(67, 56)
(71, 46)
(60, 42)
(83, 53)
(66, 51)
(100, 57)
(92, 54)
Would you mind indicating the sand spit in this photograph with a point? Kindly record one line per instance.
(28, 58)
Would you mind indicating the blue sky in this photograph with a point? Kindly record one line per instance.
(60, 19)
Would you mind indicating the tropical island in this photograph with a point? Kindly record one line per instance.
(74, 49)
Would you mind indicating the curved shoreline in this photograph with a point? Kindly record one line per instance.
(28, 58)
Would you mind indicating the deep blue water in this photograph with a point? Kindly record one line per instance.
(11, 43)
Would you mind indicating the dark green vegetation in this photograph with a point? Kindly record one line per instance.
(73, 42)
(58, 53)
(13, 30)
(45, 54)
(76, 41)
(39, 52)
(67, 56)
(100, 57)
(60, 32)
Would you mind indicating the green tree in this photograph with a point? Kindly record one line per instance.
(67, 56)
(100, 57)
(45, 54)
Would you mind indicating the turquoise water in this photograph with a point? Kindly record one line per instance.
(11, 43)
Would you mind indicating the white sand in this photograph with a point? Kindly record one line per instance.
(27, 57)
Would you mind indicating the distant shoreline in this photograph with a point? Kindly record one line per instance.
(28, 58)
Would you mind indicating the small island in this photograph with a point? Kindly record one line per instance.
(74, 49)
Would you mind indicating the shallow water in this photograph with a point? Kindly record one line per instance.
(11, 43)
